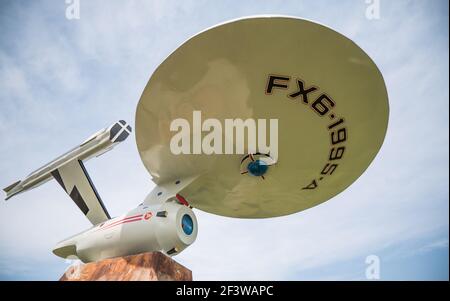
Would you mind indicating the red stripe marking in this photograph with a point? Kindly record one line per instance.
(120, 220)
(123, 219)
(138, 215)
(123, 222)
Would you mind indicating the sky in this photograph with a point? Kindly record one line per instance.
(61, 80)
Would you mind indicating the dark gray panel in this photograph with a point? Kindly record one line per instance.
(94, 189)
(114, 130)
(58, 179)
(78, 199)
(122, 136)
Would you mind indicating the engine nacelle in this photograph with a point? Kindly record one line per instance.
(168, 227)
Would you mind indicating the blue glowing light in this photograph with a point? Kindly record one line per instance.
(187, 224)
(257, 168)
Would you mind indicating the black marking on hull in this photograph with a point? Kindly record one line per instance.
(122, 136)
(162, 214)
(93, 188)
(78, 199)
(114, 130)
(58, 179)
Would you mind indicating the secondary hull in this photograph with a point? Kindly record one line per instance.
(146, 228)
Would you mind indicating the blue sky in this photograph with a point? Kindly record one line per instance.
(62, 80)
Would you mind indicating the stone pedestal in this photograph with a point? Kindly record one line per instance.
(144, 267)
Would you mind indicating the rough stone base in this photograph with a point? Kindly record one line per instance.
(143, 267)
